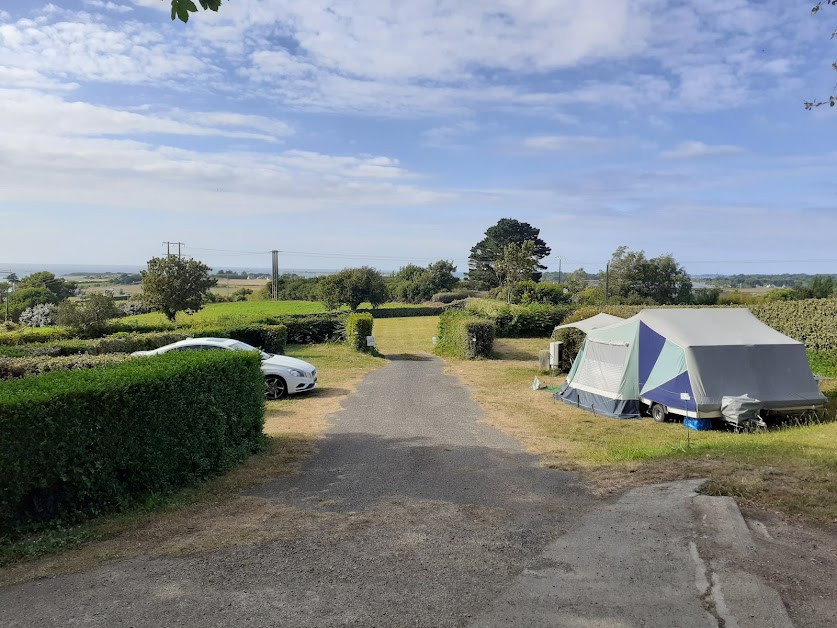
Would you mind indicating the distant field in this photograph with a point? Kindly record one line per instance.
(242, 311)
(225, 287)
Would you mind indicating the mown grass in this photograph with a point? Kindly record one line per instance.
(212, 514)
(405, 336)
(793, 470)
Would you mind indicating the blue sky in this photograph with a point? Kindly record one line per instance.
(394, 132)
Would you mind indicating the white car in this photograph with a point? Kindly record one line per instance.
(283, 375)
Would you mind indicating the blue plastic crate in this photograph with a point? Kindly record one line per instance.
(698, 424)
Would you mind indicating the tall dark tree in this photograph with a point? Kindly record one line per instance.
(485, 253)
(61, 288)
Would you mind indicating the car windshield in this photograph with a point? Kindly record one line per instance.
(243, 346)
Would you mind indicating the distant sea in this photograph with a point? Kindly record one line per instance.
(63, 270)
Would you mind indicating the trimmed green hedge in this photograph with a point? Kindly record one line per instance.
(81, 443)
(11, 368)
(465, 336)
(117, 343)
(520, 321)
(314, 328)
(269, 338)
(34, 334)
(358, 327)
(812, 321)
(449, 297)
(404, 312)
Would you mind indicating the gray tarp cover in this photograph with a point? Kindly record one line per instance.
(729, 352)
(594, 322)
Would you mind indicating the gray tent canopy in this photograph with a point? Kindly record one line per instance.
(688, 360)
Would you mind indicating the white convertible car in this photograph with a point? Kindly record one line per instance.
(283, 375)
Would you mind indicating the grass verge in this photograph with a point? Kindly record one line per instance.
(213, 514)
(791, 470)
(405, 337)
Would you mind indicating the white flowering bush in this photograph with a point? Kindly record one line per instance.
(42, 315)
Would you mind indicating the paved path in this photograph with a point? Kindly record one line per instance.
(416, 514)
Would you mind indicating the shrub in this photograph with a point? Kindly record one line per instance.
(133, 307)
(13, 367)
(314, 328)
(269, 338)
(84, 442)
(88, 318)
(117, 343)
(34, 334)
(465, 336)
(449, 297)
(42, 315)
(520, 321)
(358, 327)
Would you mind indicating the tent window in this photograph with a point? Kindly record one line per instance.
(602, 367)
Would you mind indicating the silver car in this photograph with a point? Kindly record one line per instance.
(283, 375)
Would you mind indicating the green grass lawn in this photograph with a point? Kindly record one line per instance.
(403, 336)
(240, 312)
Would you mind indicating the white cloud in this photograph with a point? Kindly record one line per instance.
(695, 150)
(30, 112)
(570, 143)
(108, 6)
(81, 49)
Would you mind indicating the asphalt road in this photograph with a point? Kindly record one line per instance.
(414, 513)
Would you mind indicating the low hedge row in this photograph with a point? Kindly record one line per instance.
(520, 321)
(117, 343)
(84, 442)
(271, 338)
(449, 297)
(11, 368)
(812, 322)
(314, 328)
(465, 336)
(358, 327)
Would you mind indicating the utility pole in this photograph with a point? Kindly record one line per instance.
(275, 260)
(559, 269)
(169, 245)
(5, 295)
(607, 281)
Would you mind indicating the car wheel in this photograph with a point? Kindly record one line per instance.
(276, 388)
(658, 413)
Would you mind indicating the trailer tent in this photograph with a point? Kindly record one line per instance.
(688, 360)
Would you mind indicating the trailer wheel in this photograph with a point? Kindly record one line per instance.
(658, 413)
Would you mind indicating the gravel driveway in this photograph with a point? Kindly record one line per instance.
(420, 515)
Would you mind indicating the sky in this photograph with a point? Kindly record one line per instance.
(386, 133)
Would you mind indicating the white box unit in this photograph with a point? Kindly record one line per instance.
(370, 341)
(555, 353)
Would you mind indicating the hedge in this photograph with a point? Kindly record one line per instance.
(465, 336)
(358, 327)
(520, 321)
(812, 322)
(404, 312)
(448, 297)
(314, 328)
(117, 343)
(80, 443)
(11, 368)
(269, 338)
(35, 334)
